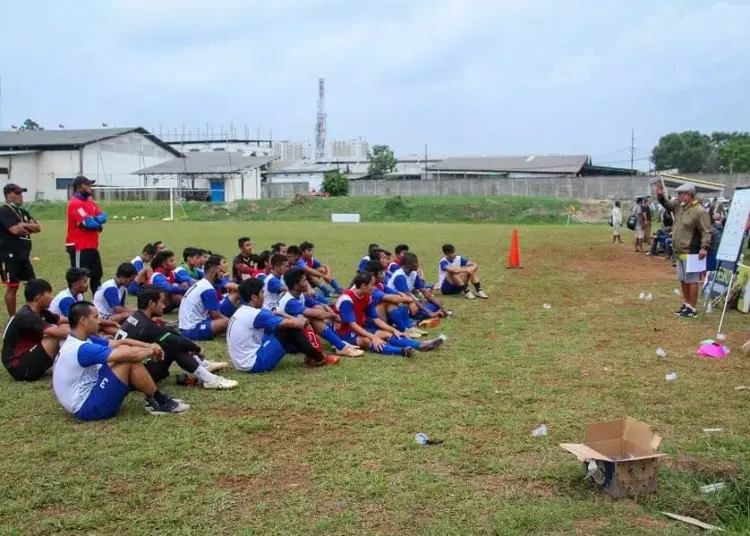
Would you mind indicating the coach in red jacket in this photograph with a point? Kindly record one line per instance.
(85, 222)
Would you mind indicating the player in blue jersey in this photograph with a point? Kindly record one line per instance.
(296, 302)
(141, 263)
(372, 255)
(392, 306)
(109, 299)
(407, 280)
(188, 272)
(273, 284)
(456, 272)
(318, 271)
(162, 276)
(200, 318)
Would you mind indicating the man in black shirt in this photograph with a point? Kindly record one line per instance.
(33, 335)
(244, 264)
(16, 227)
(142, 327)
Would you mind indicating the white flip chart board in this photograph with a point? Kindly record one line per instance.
(734, 227)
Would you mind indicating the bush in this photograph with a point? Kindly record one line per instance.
(335, 184)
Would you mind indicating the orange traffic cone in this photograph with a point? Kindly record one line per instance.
(514, 258)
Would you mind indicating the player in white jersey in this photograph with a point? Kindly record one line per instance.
(456, 272)
(141, 263)
(407, 280)
(92, 376)
(200, 318)
(273, 285)
(258, 339)
(78, 285)
(109, 299)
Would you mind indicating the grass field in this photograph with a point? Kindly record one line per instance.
(332, 451)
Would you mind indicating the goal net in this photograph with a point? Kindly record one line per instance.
(147, 202)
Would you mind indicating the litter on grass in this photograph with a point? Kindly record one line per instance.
(672, 376)
(660, 352)
(712, 430)
(710, 488)
(540, 431)
(547, 306)
(692, 521)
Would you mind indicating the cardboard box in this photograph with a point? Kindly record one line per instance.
(620, 457)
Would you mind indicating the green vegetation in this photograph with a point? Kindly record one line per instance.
(527, 210)
(332, 451)
(335, 184)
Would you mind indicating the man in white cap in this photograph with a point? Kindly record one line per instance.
(691, 235)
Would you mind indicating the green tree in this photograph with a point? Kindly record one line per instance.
(688, 152)
(335, 184)
(734, 154)
(30, 124)
(381, 160)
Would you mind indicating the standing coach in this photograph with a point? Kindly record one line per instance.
(16, 227)
(85, 222)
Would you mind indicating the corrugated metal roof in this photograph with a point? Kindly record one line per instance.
(526, 164)
(205, 163)
(58, 139)
(16, 153)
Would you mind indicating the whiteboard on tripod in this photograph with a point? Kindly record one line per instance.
(734, 227)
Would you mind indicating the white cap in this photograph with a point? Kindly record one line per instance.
(686, 188)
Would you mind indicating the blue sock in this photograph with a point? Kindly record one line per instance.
(405, 314)
(336, 286)
(403, 342)
(388, 349)
(396, 318)
(323, 289)
(333, 338)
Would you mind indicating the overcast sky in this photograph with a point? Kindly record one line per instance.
(463, 76)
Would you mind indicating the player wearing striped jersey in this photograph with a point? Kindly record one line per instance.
(109, 299)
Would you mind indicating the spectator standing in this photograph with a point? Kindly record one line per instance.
(647, 206)
(16, 228)
(691, 235)
(85, 223)
(638, 213)
(616, 223)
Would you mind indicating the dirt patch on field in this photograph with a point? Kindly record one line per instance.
(508, 487)
(590, 526)
(622, 266)
(293, 477)
(702, 466)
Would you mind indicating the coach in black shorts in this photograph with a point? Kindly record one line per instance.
(16, 228)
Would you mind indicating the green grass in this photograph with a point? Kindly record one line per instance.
(372, 209)
(332, 451)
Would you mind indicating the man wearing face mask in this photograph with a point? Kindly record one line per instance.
(691, 236)
(85, 222)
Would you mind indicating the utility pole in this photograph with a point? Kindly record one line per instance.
(425, 162)
(632, 151)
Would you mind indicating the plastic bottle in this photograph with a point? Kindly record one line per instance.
(421, 438)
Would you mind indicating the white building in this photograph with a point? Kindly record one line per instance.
(290, 151)
(46, 161)
(242, 146)
(226, 176)
(358, 148)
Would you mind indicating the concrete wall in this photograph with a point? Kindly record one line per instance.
(285, 189)
(22, 170)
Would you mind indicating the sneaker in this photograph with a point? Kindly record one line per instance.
(681, 310)
(469, 295)
(327, 360)
(428, 346)
(414, 333)
(483, 295)
(350, 351)
(214, 366)
(188, 380)
(221, 384)
(170, 406)
(688, 312)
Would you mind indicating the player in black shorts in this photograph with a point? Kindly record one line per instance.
(16, 228)
(33, 335)
(141, 326)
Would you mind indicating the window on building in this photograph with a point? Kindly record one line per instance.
(62, 184)
(4, 171)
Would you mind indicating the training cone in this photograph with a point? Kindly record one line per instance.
(514, 257)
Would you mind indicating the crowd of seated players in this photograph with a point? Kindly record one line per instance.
(281, 301)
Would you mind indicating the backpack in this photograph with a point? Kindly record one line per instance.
(631, 222)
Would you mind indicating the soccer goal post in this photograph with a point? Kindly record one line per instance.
(161, 196)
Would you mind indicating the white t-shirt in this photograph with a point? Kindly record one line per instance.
(196, 304)
(77, 370)
(109, 296)
(443, 265)
(273, 288)
(63, 301)
(245, 334)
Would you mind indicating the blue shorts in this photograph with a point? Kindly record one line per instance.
(268, 356)
(227, 308)
(448, 288)
(105, 398)
(201, 332)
